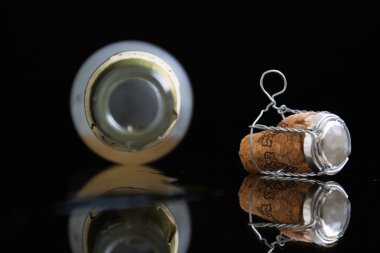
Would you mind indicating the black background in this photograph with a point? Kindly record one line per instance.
(328, 52)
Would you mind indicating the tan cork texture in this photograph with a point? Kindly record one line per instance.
(274, 150)
(277, 201)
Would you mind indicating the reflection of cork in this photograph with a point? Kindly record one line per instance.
(274, 150)
(277, 201)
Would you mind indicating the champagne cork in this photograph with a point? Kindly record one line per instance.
(326, 152)
(298, 202)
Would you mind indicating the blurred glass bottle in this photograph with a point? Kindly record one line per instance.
(131, 102)
(129, 210)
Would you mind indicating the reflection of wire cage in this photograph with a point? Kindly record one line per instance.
(310, 226)
(311, 133)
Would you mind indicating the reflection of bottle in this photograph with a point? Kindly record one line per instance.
(131, 102)
(303, 210)
(129, 224)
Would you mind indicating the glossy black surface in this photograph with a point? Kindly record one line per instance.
(329, 53)
(218, 222)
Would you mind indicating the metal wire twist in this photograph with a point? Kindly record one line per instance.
(281, 110)
(281, 173)
(284, 129)
(282, 225)
(297, 179)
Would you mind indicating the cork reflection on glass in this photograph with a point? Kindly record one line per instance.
(129, 209)
(301, 209)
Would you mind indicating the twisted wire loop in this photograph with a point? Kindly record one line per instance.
(311, 131)
(280, 110)
(281, 239)
(297, 179)
(282, 225)
(281, 173)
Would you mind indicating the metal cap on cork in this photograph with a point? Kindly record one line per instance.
(329, 148)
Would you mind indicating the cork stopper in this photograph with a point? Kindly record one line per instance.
(277, 201)
(322, 149)
(274, 150)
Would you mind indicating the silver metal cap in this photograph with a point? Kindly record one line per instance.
(327, 151)
(329, 208)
